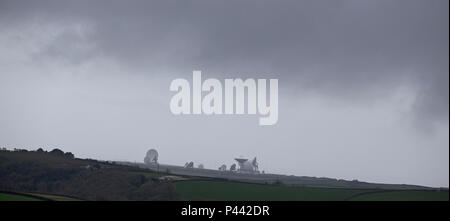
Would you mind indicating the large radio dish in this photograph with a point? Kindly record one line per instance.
(151, 157)
(223, 167)
(254, 162)
(241, 160)
(233, 167)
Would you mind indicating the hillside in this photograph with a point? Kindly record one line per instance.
(55, 175)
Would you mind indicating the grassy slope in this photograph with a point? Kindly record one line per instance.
(15, 197)
(33, 172)
(221, 190)
(44, 173)
(405, 196)
(54, 197)
(21, 196)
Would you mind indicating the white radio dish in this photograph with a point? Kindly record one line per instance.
(247, 166)
(151, 157)
(223, 167)
(233, 167)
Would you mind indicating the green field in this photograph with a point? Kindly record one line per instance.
(405, 196)
(33, 197)
(232, 191)
(221, 190)
(15, 197)
(41, 175)
(53, 197)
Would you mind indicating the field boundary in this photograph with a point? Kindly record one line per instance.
(384, 191)
(26, 194)
(33, 195)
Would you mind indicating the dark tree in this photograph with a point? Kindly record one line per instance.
(57, 152)
(69, 155)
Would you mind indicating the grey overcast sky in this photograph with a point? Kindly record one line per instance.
(363, 84)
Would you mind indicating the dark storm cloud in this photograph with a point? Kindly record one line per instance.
(342, 48)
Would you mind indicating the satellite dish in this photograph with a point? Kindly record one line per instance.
(254, 162)
(189, 165)
(151, 157)
(233, 167)
(241, 160)
(223, 167)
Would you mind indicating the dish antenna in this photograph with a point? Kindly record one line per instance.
(151, 157)
(233, 167)
(241, 159)
(223, 167)
(255, 163)
(189, 165)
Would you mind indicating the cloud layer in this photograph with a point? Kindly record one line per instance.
(361, 82)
